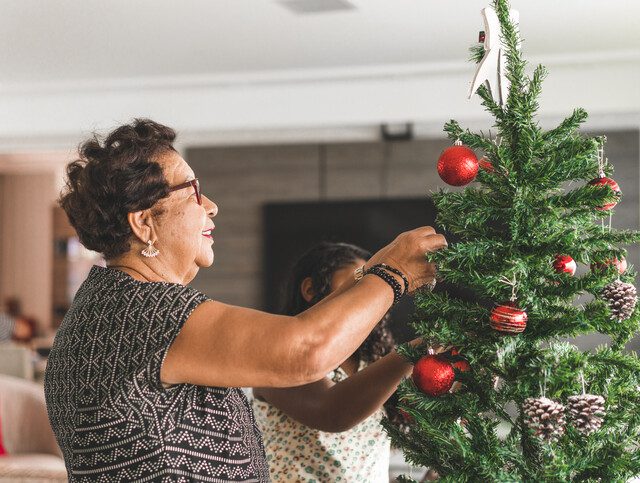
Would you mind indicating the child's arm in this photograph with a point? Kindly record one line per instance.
(335, 407)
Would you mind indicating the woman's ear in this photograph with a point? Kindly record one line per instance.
(306, 289)
(139, 221)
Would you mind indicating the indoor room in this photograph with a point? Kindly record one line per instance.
(319, 240)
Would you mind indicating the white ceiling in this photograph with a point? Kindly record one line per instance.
(46, 41)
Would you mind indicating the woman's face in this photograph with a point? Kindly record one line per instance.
(184, 228)
(345, 273)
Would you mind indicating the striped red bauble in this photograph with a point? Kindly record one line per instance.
(508, 319)
(620, 264)
(602, 180)
(564, 264)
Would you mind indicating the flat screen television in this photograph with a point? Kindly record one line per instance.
(290, 229)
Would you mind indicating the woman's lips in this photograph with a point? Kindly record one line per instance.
(207, 233)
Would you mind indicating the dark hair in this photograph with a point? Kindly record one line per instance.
(113, 177)
(320, 263)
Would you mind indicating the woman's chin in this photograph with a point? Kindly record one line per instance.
(206, 260)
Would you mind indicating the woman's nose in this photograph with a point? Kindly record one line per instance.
(210, 206)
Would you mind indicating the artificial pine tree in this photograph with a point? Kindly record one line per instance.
(541, 202)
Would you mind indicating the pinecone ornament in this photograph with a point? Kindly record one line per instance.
(545, 417)
(586, 412)
(621, 297)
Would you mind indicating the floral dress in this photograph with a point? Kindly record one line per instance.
(296, 452)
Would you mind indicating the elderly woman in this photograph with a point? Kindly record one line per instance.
(142, 381)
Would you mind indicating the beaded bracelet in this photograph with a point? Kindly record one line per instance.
(397, 272)
(390, 279)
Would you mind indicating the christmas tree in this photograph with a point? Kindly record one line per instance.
(526, 405)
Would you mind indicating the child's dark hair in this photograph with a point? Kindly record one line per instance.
(320, 263)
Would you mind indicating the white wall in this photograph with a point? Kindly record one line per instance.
(270, 107)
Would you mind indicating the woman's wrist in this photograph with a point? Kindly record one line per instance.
(393, 278)
(397, 272)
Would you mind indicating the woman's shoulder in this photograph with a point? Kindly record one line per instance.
(104, 278)
(111, 291)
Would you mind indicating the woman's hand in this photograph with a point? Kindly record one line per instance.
(407, 254)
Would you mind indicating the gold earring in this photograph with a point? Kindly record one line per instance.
(150, 251)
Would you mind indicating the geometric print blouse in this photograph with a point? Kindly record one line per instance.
(111, 415)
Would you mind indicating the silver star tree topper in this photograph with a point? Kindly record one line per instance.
(492, 67)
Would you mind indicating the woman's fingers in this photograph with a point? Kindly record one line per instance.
(424, 231)
(433, 242)
(406, 254)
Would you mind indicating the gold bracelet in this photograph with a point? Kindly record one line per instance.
(358, 273)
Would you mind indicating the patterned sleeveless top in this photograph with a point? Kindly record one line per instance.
(296, 452)
(110, 413)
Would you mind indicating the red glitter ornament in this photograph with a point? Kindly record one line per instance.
(433, 375)
(485, 164)
(604, 181)
(565, 264)
(508, 319)
(621, 265)
(406, 416)
(458, 165)
(462, 366)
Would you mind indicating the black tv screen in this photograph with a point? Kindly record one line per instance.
(290, 229)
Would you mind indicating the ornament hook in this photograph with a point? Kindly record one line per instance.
(602, 161)
(512, 283)
(544, 381)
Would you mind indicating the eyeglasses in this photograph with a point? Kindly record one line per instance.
(193, 183)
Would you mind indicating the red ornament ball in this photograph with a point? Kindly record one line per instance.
(621, 265)
(462, 366)
(508, 319)
(565, 264)
(485, 164)
(406, 416)
(604, 181)
(433, 375)
(458, 165)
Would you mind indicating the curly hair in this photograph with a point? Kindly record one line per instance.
(115, 176)
(320, 263)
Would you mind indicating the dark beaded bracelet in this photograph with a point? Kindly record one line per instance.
(390, 279)
(397, 272)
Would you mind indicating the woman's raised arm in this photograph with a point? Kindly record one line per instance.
(228, 346)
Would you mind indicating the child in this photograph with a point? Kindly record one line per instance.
(330, 430)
